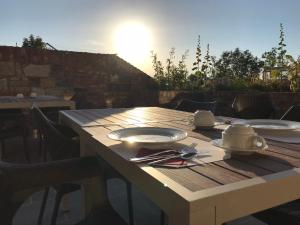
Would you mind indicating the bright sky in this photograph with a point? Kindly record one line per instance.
(132, 28)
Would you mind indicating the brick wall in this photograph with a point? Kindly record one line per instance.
(103, 80)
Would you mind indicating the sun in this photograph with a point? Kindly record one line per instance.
(133, 42)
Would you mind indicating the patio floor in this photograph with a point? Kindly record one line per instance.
(146, 213)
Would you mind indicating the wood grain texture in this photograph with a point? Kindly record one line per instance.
(278, 158)
(212, 193)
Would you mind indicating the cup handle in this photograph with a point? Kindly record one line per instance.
(259, 139)
(191, 120)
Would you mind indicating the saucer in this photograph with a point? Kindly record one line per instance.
(207, 127)
(219, 143)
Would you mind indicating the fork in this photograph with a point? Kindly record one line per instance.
(137, 159)
(190, 148)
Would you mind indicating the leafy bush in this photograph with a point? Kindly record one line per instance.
(256, 85)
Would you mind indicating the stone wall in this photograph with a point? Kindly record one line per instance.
(102, 80)
(282, 100)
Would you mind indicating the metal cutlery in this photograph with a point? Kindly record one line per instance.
(185, 153)
(154, 158)
(184, 156)
(190, 148)
(158, 154)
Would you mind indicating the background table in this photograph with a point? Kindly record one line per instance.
(11, 102)
(212, 193)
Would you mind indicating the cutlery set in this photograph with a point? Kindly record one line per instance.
(158, 158)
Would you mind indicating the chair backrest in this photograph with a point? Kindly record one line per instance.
(56, 143)
(13, 118)
(23, 180)
(192, 106)
(52, 113)
(6, 114)
(253, 106)
(292, 114)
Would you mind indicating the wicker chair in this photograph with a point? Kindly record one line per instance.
(192, 106)
(13, 123)
(61, 143)
(292, 114)
(24, 180)
(253, 106)
(285, 214)
(53, 112)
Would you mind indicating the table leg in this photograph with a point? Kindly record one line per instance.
(94, 189)
(177, 220)
(202, 217)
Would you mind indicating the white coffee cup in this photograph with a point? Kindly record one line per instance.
(203, 118)
(33, 94)
(20, 95)
(242, 137)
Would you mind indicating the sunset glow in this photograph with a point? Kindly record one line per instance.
(133, 42)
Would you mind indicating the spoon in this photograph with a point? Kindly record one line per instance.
(184, 156)
(162, 154)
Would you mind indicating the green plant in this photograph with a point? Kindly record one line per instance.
(270, 58)
(293, 71)
(34, 42)
(259, 85)
(238, 64)
(207, 63)
(276, 60)
(158, 71)
(171, 76)
(197, 63)
(179, 73)
(281, 49)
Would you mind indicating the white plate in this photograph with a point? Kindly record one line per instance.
(266, 124)
(219, 143)
(148, 135)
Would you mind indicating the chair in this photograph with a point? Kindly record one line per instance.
(253, 106)
(23, 180)
(285, 214)
(60, 143)
(13, 124)
(192, 106)
(292, 114)
(52, 113)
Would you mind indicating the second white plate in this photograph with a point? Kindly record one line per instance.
(267, 124)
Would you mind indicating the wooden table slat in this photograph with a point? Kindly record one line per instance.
(197, 192)
(243, 168)
(189, 179)
(218, 174)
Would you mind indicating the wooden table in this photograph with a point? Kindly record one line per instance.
(11, 102)
(209, 194)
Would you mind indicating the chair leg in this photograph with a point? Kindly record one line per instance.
(58, 198)
(130, 203)
(162, 218)
(43, 148)
(25, 148)
(42, 209)
(39, 136)
(3, 149)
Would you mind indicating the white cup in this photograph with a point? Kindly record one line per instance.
(203, 118)
(20, 95)
(33, 94)
(242, 137)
